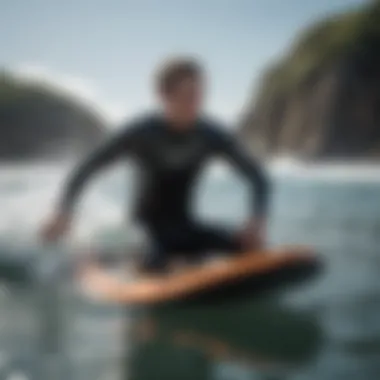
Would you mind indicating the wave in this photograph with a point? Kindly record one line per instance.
(28, 193)
(333, 171)
(289, 168)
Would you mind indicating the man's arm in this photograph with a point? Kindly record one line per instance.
(107, 153)
(251, 169)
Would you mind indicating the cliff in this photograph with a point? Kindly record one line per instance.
(322, 100)
(37, 122)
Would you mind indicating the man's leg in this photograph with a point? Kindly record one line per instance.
(203, 240)
(193, 241)
(169, 241)
(156, 260)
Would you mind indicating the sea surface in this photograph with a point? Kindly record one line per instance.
(328, 328)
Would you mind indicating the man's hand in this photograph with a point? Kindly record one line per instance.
(56, 227)
(253, 235)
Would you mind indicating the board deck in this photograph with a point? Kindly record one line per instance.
(220, 274)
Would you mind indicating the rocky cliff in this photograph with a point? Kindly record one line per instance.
(322, 100)
(38, 123)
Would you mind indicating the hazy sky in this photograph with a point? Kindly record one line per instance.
(106, 50)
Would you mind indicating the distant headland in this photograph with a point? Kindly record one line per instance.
(40, 123)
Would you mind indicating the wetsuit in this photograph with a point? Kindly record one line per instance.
(169, 162)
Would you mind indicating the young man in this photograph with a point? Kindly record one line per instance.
(171, 147)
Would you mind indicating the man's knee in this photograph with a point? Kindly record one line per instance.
(218, 238)
(155, 261)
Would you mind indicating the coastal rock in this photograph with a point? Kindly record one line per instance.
(322, 100)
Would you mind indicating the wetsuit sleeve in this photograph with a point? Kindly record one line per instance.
(113, 149)
(236, 154)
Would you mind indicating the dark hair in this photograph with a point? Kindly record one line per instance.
(175, 70)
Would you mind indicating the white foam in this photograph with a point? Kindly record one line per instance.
(18, 375)
(288, 167)
(328, 171)
(28, 195)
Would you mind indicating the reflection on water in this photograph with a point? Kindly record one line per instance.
(326, 329)
(262, 336)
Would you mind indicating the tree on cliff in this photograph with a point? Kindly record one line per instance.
(322, 100)
(37, 122)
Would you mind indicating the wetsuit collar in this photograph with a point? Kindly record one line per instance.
(167, 124)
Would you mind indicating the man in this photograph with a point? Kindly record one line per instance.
(170, 148)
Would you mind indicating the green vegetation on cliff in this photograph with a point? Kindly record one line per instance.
(322, 44)
(322, 99)
(38, 122)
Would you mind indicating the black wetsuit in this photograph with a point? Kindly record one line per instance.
(170, 161)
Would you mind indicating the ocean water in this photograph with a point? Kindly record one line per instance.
(326, 329)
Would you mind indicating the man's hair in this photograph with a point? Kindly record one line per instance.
(175, 70)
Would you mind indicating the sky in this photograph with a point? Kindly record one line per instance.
(105, 51)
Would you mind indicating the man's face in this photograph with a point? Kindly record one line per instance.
(184, 101)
